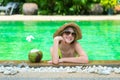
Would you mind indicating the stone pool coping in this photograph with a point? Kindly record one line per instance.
(56, 18)
(44, 63)
(61, 75)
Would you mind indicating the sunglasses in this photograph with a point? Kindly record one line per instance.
(69, 32)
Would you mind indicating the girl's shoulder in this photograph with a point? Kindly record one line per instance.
(75, 43)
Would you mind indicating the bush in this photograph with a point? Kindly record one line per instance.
(68, 7)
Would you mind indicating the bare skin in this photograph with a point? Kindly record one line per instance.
(68, 50)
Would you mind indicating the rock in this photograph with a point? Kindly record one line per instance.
(104, 72)
(117, 70)
(96, 10)
(30, 9)
(13, 72)
(22, 65)
(7, 72)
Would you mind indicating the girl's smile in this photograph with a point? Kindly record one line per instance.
(69, 35)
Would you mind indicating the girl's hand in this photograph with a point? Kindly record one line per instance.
(61, 60)
(58, 38)
(49, 62)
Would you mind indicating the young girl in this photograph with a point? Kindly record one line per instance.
(65, 47)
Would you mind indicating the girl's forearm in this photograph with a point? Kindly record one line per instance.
(55, 56)
(82, 59)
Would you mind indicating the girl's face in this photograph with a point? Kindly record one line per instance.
(69, 35)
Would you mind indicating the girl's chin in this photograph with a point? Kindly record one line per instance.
(68, 41)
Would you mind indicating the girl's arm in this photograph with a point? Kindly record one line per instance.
(82, 58)
(54, 50)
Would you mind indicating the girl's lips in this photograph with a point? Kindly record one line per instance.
(67, 39)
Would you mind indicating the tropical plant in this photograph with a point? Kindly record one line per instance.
(79, 7)
(117, 9)
(108, 4)
(68, 7)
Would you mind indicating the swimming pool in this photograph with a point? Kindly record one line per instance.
(100, 38)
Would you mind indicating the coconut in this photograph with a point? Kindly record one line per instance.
(35, 56)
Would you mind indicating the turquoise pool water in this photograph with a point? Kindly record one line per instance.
(100, 38)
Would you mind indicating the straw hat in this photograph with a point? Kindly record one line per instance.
(75, 26)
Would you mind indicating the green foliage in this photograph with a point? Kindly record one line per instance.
(108, 3)
(94, 1)
(66, 7)
(1, 1)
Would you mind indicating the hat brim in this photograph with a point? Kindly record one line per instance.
(75, 26)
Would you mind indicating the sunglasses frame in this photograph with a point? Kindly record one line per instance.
(67, 32)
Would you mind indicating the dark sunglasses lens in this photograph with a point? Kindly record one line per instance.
(73, 34)
(67, 32)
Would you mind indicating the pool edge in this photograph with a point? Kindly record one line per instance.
(44, 63)
(58, 17)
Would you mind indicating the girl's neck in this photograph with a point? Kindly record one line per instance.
(65, 46)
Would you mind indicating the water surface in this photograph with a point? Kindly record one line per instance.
(100, 38)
